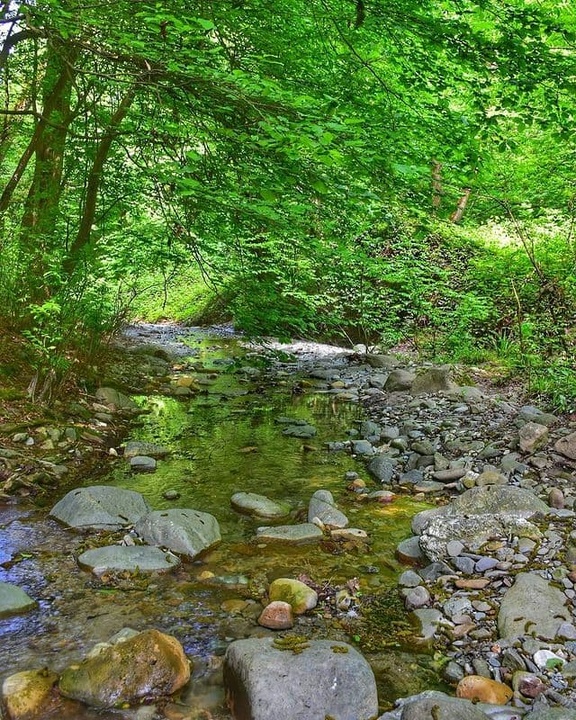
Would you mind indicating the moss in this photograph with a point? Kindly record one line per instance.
(296, 643)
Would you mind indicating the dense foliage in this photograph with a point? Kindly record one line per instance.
(375, 171)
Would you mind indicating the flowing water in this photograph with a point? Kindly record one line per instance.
(223, 439)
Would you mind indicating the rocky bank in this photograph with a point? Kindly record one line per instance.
(489, 584)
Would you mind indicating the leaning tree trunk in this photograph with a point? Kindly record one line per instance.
(84, 234)
(38, 225)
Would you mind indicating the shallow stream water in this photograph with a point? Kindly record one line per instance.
(223, 439)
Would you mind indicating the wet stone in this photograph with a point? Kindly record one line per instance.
(300, 431)
(119, 558)
(136, 447)
(408, 551)
(323, 508)
(184, 531)
(13, 600)
(296, 534)
(258, 505)
(100, 507)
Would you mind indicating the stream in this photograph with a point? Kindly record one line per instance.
(223, 438)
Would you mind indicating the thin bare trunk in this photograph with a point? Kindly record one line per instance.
(458, 214)
(436, 184)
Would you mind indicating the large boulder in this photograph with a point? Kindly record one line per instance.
(503, 499)
(186, 532)
(322, 679)
(480, 514)
(147, 665)
(490, 499)
(532, 606)
(100, 507)
(434, 380)
(399, 380)
(473, 531)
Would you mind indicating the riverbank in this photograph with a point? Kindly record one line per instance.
(433, 438)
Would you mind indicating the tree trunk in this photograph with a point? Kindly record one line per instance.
(38, 224)
(436, 184)
(84, 234)
(56, 99)
(458, 214)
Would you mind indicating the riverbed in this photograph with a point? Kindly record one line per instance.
(224, 436)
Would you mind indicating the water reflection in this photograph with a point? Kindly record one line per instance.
(224, 439)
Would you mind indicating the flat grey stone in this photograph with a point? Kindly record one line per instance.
(135, 558)
(532, 606)
(399, 380)
(295, 534)
(300, 431)
(325, 679)
(258, 505)
(13, 600)
(382, 468)
(409, 578)
(433, 705)
(363, 447)
(100, 507)
(142, 463)
(552, 713)
(153, 450)
(323, 507)
(110, 396)
(449, 475)
(529, 413)
(184, 531)
(409, 551)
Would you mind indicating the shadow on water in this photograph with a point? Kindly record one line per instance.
(223, 439)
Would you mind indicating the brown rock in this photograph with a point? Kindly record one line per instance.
(277, 615)
(567, 446)
(532, 437)
(481, 689)
(472, 583)
(462, 630)
(528, 684)
(556, 498)
(148, 665)
(27, 694)
(301, 597)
